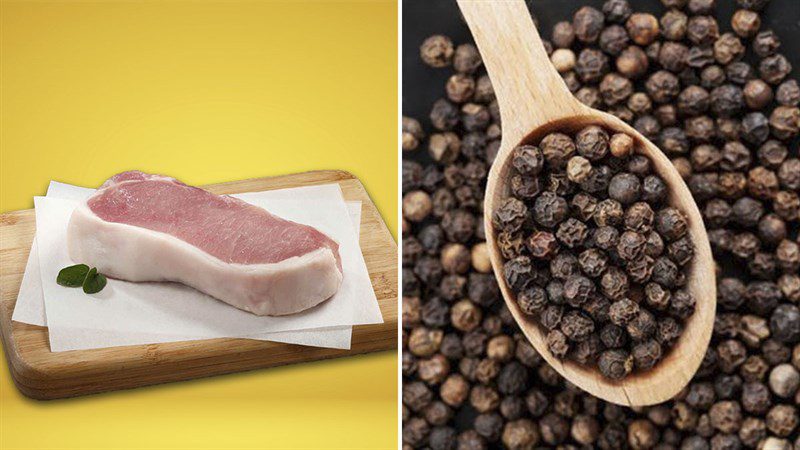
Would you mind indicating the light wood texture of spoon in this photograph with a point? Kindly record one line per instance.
(534, 101)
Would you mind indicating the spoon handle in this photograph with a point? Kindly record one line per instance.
(530, 92)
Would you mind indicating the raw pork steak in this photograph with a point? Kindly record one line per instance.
(142, 227)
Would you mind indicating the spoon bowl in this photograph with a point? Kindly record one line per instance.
(534, 101)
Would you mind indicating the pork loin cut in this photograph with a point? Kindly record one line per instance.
(142, 227)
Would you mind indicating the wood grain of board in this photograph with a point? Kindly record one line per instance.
(42, 374)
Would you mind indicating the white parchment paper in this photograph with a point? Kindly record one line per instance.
(29, 307)
(137, 313)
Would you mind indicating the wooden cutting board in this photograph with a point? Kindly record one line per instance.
(41, 374)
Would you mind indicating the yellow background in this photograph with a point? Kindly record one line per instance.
(205, 92)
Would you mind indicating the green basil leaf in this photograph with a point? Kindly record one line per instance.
(72, 276)
(94, 282)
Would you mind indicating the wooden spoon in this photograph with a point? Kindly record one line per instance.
(534, 101)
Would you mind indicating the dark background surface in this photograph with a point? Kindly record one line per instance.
(422, 85)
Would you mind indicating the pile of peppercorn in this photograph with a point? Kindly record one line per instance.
(715, 94)
(593, 251)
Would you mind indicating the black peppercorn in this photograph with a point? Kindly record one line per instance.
(745, 23)
(542, 245)
(631, 246)
(662, 86)
(613, 336)
(551, 316)
(528, 160)
(667, 274)
(712, 76)
(702, 30)
(615, 364)
(549, 209)
(518, 272)
(597, 181)
(667, 332)
(458, 225)
(475, 117)
(617, 11)
(646, 354)
(613, 39)
(444, 115)
(563, 35)
(591, 65)
(466, 59)
(576, 326)
(693, 101)
(588, 23)
(673, 25)
(673, 140)
(484, 92)
(739, 72)
(682, 304)
(437, 51)
(624, 188)
(785, 122)
(642, 326)
(614, 283)
(532, 300)
(788, 93)
(727, 100)
(577, 290)
(632, 62)
(460, 88)
(525, 187)
(671, 223)
(593, 262)
(789, 174)
(681, 251)
(654, 246)
(592, 143)
(728, 48)
(773, 69)
(785, 323)
(412, 134)
(657, 297)
(510, 216)
(415, 431)
(673, 56)
(700, 129)
(643, 28)
(605, 237)
(589, 96)
(489, 425)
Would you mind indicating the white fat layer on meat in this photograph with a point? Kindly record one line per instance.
(138, 254)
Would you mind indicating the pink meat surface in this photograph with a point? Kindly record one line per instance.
(281, 267)
(225, 227)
